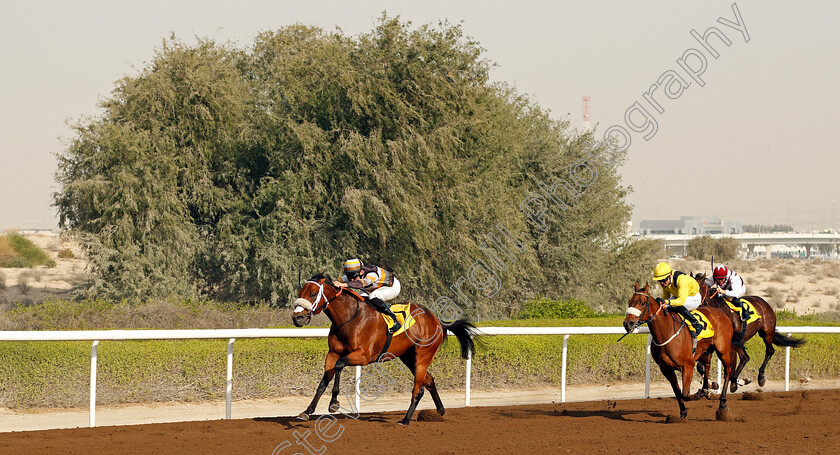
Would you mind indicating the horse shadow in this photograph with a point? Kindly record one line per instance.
(617, 414)
(291, 423)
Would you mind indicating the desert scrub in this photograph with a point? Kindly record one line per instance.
(16, 251)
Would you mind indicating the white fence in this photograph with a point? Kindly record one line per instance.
(232, 334)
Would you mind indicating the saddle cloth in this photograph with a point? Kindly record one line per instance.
(707, 331)
(402, 311)
(754, 316)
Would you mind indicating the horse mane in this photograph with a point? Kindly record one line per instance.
(320, 276)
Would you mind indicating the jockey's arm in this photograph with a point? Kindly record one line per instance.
(738, 289)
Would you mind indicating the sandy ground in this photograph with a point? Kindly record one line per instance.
(40, 283)
(43, 419)
(770, 422)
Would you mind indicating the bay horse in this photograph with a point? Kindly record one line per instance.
(671, 346)
(765, 327)
(358, 336)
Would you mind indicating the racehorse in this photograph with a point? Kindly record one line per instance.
(358, 336)
(765, 326)
(671, 346)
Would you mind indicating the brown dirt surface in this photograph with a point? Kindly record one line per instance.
(783, 422)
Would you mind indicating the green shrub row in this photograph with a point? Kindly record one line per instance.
(34, 374)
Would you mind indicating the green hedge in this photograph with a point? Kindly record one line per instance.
(56, 373)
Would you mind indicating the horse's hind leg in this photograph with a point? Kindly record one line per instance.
(417, 392)
(334, 404)
(704, 368)
(768, 353)
(429, 383)
(736, 370)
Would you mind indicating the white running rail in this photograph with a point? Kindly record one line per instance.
(232, 334)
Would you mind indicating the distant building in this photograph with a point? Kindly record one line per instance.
(692, 225)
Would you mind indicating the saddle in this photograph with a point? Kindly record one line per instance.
(754, 316)
(707, 331)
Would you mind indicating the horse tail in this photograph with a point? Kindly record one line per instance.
(464, 331)
(786, 341)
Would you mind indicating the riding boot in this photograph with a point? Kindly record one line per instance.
(690, 319)
(745, 312)
(385, 309)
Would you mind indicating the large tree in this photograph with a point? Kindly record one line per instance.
(227, 173)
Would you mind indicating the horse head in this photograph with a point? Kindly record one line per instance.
(313, 298)
(639, 309)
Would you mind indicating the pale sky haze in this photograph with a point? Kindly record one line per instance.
(757, 143)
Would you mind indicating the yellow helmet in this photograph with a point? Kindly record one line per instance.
(352, 266)
(661, 271)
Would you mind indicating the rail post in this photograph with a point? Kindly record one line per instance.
(563, 370)
(469, 370)
(787, 367)
(229, 382)
(647, 366)
(93, 349)
(356, 382)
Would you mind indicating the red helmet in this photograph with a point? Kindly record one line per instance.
(720, 273)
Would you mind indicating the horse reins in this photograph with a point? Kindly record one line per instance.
(327, 302)
(647, 310)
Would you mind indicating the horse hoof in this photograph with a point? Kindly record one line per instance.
(761, 381)
(334, 407)
(441, 411)
(715, 386)
(404, 422)
(303, 416)
(733, 386)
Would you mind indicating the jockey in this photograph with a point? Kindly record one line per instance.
(682, 293)
(728, 284)
(380, 284)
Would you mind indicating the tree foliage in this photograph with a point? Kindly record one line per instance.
(705, 247)
(230, 174)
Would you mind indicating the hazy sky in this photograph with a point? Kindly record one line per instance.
(756, 143)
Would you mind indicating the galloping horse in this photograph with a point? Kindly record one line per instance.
(358, 336)
(671, 347)
(765, 326)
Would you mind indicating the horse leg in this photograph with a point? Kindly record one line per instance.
(334, 404)
(687, 375)
(768, 353)
(671, 376)
(417, 392)
(725, 356)
(704, 368)
(430, 385)
(329, 372)
(737, 366)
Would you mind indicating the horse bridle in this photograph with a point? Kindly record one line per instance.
(647, 311)
(313, 306)
(647, 308)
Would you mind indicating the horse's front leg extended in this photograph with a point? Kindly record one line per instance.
(671, 376)
(329, 372)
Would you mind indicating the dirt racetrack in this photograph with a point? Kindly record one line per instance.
(779, 422)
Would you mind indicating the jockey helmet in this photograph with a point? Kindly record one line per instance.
(720, 273)
(661, 271)
(352, 266)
